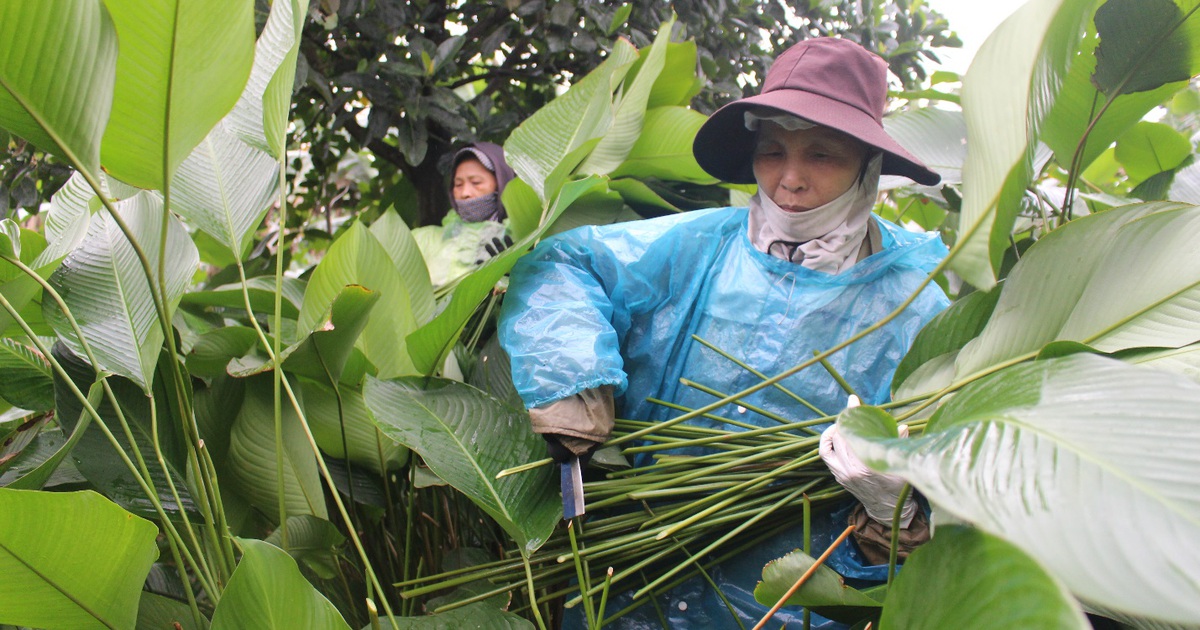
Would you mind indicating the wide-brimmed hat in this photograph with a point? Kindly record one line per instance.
(829, 81)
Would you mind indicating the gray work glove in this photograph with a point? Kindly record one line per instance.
(576, 425)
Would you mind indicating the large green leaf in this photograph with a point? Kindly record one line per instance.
(1007, 93)
(1119, 279)
(157, 612)
(105, 287)
(629, 109)
(252, 453)
(260, 115)
(182, 66)
(326, 353)
(1085, 463)
(58, 61)
(937, 137)
(965, 578)
(71, 560)
(358, 258)
(1145, 44)
(267, 592)
(430, 344)
(1150, 148)
(225, 187)
(664, 147)
(397, 240)
(27, 382)
(545, 148)
(825, 588)
(678, 82)
(1076, 108)
(313, 541)
(467, 437)
(344, 429)
(943, 337)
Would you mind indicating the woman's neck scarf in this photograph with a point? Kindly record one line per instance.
(826, 238)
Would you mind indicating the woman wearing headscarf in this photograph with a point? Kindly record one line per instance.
(600, 319)
(476, 229)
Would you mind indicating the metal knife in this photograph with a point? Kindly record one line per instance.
(571, 481)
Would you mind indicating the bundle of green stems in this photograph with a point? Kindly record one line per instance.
(649, 528)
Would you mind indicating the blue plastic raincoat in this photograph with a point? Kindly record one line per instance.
(618, 305)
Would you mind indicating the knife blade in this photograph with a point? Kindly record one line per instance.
(571, 483)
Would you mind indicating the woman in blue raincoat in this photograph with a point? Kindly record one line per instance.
(599, 319)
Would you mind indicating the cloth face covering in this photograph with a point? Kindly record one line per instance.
(824, 239)
(478, 209)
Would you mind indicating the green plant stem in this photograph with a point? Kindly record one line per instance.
(740, 403)
(837, 376)
(582, 575)
(744, 435)
(892, 553)
(277, 373)
(710, 416)
(755, 372)
(537, 613)
(604, 598)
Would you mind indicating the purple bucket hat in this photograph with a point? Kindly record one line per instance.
(829, 81)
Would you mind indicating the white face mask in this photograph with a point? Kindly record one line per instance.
(826, 238)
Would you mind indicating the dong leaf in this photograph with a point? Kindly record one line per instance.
(182, 67)
(825, 588)
(664, 147)
(1144, 44)
(260, 116)
(313, 541)
(548, 145)
(678, 82)
(1151, 148)
(943, 337)
(71, 560)
(965, 578)
(27, 382)
(629, 109)
(1078, 105)
(397, 240)
(1119, 279)
(342, 427)
(225, 188)
(1007, 93)
(58, 62)
(251, 460)
(936, 136)
(466, 437)
(105, 286)
(1084, 462)
(267, 592)
(357, 258)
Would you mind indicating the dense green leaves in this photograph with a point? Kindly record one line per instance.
(27, 383)
(550, 144)
(358, 258)
(182, 66)
(267, 591)
(1007, 94)
(1083, 462)
(252, 458)
(467, 437)
(57, 65)
(1143, 45)
(105, 286)
(966, 578)
(71, 560)
(1120, 279)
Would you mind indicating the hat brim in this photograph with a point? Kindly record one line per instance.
(724, 147)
